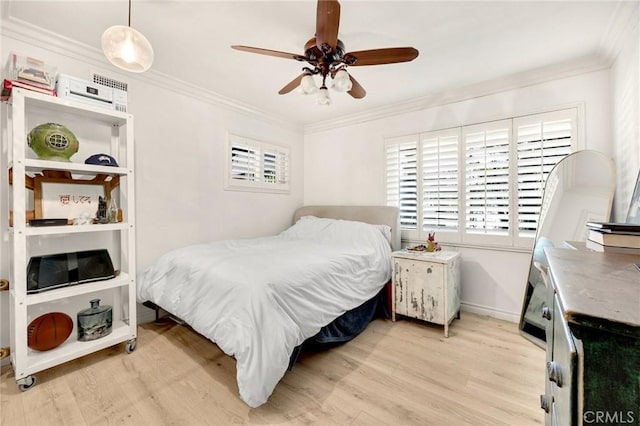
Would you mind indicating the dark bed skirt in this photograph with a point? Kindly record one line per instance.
(345, 327)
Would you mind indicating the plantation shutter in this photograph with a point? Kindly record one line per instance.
(440, 186)
(245, 162)
(256, 166)
(276, 166)
(487, 178)
(402, 183)
(542, 141)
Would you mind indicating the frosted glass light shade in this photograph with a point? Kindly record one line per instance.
(342, 82)
(127, 48)
(308, 85)
(323, 96)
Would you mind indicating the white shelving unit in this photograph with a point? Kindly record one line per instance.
(100, 131)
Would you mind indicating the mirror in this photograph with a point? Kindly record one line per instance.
(578, 189)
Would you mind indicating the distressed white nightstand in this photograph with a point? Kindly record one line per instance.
(426, 286)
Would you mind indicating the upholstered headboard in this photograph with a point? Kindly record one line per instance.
(376, 215)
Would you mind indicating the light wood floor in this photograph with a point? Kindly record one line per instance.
(401, 373)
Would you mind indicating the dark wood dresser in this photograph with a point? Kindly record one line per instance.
(593, 339)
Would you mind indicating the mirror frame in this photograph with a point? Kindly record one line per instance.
(527, 329)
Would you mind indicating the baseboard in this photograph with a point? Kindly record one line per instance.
(490, 312)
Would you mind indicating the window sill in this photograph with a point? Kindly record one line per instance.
(409, 243)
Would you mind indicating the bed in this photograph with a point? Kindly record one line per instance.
(260, 300)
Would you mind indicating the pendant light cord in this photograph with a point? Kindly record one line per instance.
(129, 13)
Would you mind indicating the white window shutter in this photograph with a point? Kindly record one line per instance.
(276, 166)
(440, 183)
(487, 180)
(402, 178)
(542, 141)
(245, 163)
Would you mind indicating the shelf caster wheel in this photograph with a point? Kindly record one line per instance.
(26, 383)
(131, 346)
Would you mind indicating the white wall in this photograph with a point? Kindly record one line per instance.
(346, 166)
(179, 148)
(625, 83)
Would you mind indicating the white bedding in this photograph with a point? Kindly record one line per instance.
(258, 299)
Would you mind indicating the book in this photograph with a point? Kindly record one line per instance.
(592, 245)
(614, 226)
(631, 240)
(8, 85)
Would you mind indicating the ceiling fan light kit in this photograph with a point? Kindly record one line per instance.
(328, 61)
(127, 48)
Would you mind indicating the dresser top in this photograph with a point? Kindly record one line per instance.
(597, 289)
(442, 256)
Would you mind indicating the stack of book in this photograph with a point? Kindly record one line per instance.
(614, 237)
(7, 85)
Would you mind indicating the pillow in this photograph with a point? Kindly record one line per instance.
(385, 230)
(327, 229)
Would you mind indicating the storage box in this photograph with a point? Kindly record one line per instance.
(30, 70)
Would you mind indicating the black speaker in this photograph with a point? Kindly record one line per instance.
(65, 269)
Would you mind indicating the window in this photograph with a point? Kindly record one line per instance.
(477, 184)
(256, 166)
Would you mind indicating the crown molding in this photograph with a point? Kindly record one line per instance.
(583, 65)
(30, 34)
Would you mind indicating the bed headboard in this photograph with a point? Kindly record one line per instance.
(376, 215)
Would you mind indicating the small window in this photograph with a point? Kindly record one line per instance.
(256, 166)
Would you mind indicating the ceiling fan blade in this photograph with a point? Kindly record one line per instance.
(269, 52)
(292, 85)
(356, 91)
(327, 23)
(380, 56)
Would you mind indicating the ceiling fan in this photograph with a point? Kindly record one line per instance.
(326, 55)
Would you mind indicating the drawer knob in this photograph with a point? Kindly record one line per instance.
(546, 313)
(544, 403)
(554, 373)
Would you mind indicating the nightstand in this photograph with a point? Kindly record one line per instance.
(426, 286)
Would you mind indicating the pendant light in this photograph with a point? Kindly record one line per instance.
(127, 48)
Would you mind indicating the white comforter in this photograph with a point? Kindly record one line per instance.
(258, 299)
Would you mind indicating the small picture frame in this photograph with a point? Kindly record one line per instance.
(62, 198)
(633, 215)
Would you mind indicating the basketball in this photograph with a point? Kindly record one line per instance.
(49, 331)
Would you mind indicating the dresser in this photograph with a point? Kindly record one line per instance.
(593, 338)
(426, 286)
